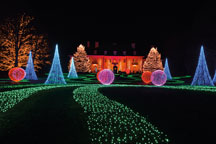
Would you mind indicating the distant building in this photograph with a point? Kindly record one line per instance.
(115, 60)
(116, 63)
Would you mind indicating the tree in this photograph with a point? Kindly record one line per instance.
(82, 62)
(202, 76)
(40, 51)
(56, 75)
(17, 38)
(153, 61)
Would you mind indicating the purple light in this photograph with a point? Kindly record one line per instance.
(158, 78)
(106, 77)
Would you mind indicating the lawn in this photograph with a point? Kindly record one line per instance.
(186, 116)
(84, 111)
(50, 116)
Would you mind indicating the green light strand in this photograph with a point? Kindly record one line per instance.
(112, 122)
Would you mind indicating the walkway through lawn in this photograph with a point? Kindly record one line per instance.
(50, 116)
(186, 116)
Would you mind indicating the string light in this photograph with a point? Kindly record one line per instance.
(146, 77)
(106, 76)
(167, 70)
(111, 122)
(202, 76)
(30, 72)
(17, 74)
(72, 73)
(158, 78)
(55, 75)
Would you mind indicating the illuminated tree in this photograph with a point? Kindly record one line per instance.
(72, 73)
(55, 75)
(214, 78)
(202, 76)
(30, 72)
(39, 47)
(167, 70)
(81, 60)
(153, 61)
(17, 38)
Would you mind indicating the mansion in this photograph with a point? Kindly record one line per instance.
(133, 64)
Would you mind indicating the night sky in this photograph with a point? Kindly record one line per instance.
(178, 29)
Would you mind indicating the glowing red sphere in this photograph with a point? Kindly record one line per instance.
(17, 74)
(106, 77)
(158, 78)
(146, 77)
(127, 71)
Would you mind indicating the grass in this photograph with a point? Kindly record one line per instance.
(114, 123)
(185, 116)
(50, 116)
(56, 115)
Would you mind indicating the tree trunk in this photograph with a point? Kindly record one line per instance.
(34, 53)
(16, 55)
(16, 47)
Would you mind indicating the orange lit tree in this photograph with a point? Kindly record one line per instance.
(153, 61)
(40, 51)
(81, 60)
(17, 37)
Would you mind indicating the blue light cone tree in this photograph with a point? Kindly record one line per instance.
(167, 70)
(202, 76)
(214, 78)
(72, 73)
(30, 72)
(55, 75)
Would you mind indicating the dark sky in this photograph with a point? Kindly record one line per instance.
(178, 29)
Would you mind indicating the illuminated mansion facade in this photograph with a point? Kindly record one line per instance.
(117, 60)
(133, 64)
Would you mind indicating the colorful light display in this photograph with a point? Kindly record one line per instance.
(132, 63)
(106, 77)
(72, 73)
(158, 78)
(114, 123)
(81, 60)
(30, 72)
(167, 70)
(98, 75)
(9, 99)
(153, 61)
(214, 78)
(55, 75)
(17, 74)
(146, 77)
(127, 71)
(202, 76)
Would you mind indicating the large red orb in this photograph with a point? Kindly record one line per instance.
(106, 77)
(127, 71)
(17, 74)
(158, 78)
(146, 77)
